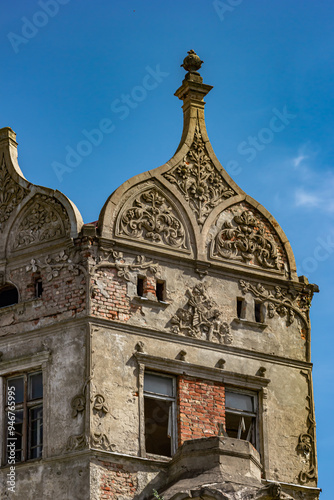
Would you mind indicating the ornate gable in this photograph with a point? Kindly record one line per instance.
(198, 180)
(11, 194)
(220, 224)
(29, 215)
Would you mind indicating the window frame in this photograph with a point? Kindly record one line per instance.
(254, 415)
(26, 406)
(161, 397)
(37, 362)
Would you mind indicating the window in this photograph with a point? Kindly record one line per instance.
(240, 308)
(8, 295)
(24, 400)
(140, 286)
(258, 312)
(160, 414)
(160, 291)
(38, 287)
(241, 415)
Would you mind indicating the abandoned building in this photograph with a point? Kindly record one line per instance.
(163, 350)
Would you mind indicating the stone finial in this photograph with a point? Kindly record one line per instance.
(192, 62)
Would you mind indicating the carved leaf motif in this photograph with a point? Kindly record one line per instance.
(100, 440)
(198, 180)
(244, 239)
(46, 220)
(285, 303)
(11, 194)
(152, 218)
(78, 442)
(200, 318)
(306, 441)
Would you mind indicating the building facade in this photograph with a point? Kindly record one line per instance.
(164, 348)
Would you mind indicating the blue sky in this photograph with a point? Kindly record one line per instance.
(70, 74)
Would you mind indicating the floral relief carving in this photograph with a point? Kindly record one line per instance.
(125, 269)
(100, 440)
(78, 404)
(47, 219)
(54, 264)
(199, 181)
(152, 218)
(77, 442)
(245, 239)
(306, 441)
(99, 405)
(200, 318)
(11, 194)
(286, 303)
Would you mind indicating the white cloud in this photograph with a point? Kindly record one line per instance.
(296, 161)
(303, 198)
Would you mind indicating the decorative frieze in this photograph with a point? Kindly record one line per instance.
(125, 268)
(52, 265)
(245, 239)
(199, 181)
(152, 218)
(285, 303)
(200, 318)
(11, 194)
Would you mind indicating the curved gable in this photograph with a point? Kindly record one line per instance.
(30, 214)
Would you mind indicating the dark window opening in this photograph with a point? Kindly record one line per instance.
(241, 416)
(240, 308)
(140, 286)
(160, 291)
(160, 414)
(39, 287)
(24, 396)
(157, 435)
(258, 312)
(8, 295)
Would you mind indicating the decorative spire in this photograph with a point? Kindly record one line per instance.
(192, 62)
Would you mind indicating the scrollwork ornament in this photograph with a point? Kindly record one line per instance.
(306, 440)
(245, 239)
(199, 181)
(285, 303)
(46, 219)
(77, 442)
(152, 218)
(99, 405)
(100, 440)
(78, 404)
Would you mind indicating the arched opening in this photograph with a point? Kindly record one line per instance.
(8, 295)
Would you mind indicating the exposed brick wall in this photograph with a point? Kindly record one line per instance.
(201, 408)
(117, 482)
(110, 299)
(63, 297)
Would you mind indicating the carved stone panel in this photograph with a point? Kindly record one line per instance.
(11, 194)
(152, 218)
(200, 318)
(241, 234)
(199, 181)
(45, 220)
